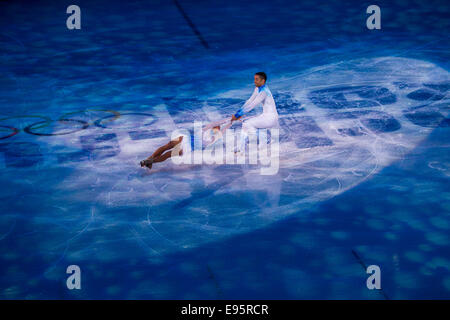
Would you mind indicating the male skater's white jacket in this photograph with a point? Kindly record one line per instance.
(267, 119)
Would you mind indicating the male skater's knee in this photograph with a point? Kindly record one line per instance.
(248, 128)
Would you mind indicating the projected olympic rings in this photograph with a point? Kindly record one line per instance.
(46, 121)
(115, 115)
(14, 132)
(31, 129)
(101, 122)
(68, 118)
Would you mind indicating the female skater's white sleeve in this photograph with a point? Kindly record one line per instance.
(254, 100)
(215, 124)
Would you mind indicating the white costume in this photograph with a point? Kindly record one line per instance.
(208, 136)
(268, 119)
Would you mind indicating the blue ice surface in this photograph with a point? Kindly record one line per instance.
(79, 197)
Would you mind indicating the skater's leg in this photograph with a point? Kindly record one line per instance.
(167, 146)
(247, 128)
(171, 144)
(259, 122)
(163, 157)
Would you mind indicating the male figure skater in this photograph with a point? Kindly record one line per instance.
(267, 119)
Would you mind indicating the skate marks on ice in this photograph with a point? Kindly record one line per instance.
(339, 125)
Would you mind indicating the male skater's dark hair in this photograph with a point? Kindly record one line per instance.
(262, 75)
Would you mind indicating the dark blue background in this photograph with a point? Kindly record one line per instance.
(148, 48)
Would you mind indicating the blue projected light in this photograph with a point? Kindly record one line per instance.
(350, 172)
